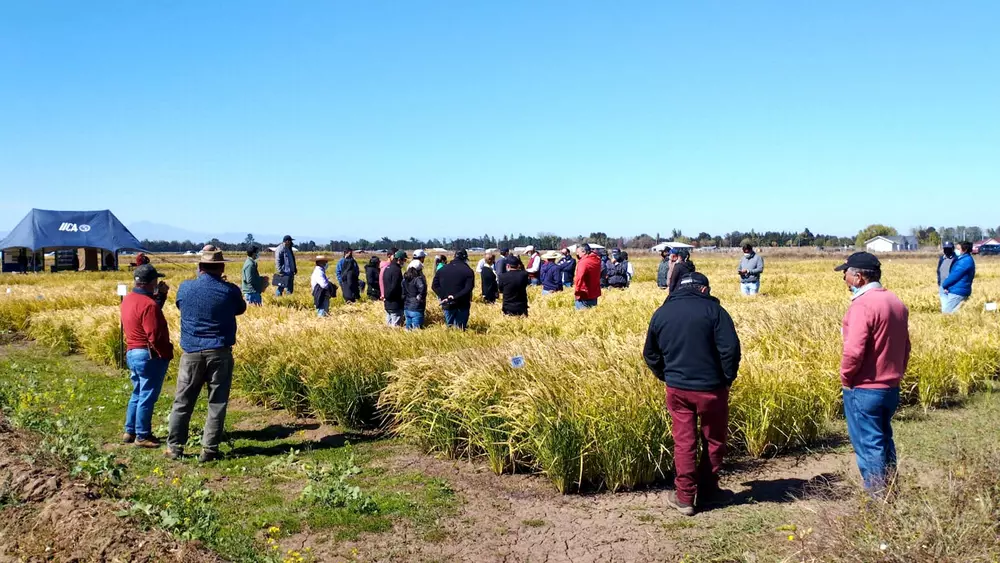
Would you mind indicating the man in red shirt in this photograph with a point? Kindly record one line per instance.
(876, 352)
(147, 340)
(587, 285)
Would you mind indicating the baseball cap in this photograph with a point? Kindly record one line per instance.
(948, 244)
(674, 251)
(461, 255)
(860, 261)
(399, 255)
(147, 274)
(287, 238)
(529, 248)
(696, 278)
(419, 253)
(504, 250)
(415, 264)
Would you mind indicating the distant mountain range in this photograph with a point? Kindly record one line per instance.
(158, 231)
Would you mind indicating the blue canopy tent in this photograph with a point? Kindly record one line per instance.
(43, 230)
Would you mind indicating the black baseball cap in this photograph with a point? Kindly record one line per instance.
(948, 244)
(288, 238)
(860, 261)
(696, 278)
(147, 274)
(504, 250)
(461, 255)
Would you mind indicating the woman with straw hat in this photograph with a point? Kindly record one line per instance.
(322, 288)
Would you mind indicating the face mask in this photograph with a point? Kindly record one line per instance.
(747, 255)
(855, 290)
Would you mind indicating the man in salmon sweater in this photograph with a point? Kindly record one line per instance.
(876, 351)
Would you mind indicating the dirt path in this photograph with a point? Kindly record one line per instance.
(522, 517)
(46, 516)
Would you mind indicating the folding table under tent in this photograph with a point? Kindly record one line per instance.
(45, 230)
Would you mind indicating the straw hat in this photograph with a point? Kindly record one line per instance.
(551, 255)
(210, 254)
(321, 258)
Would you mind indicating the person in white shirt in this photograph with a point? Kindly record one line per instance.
(322, 288)
(534, 265)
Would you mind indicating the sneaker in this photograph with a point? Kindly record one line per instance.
(128, 438)
(148, 442)
(673, 501)
(206, 457)
(171, 453)
(715, 497)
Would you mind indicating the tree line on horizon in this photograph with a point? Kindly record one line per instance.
(926, 236)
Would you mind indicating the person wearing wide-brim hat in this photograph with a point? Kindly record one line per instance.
(551, 275)
(322, 288)
(284, 267)
(209, 306)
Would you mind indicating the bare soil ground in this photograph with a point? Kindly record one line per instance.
(522, 518)
(46, 516)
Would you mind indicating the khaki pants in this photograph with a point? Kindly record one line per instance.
(212, 369)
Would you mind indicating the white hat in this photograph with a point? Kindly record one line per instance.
(529, 249)
(415, 264)
(419, 253)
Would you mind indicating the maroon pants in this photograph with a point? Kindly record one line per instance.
(686, 407)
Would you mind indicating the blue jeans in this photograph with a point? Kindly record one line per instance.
(457, 318)
(585, 303)
(414, 319)
(951, 302)
(147, 375)
(535, 281)
(253, 298)
(749, 288)
(868, 413)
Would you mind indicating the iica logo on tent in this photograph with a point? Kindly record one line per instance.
(73, 227)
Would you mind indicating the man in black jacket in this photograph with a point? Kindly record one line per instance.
(693, 347)
(392, 279)
(349, 275)
(453, 284)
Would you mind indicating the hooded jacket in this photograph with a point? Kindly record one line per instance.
(754, 266)
(587, 284)
(392, 279)
(458, 280)
(959, 280)
(692, 343)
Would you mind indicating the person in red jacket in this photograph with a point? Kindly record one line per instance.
(587, 284)
(876, 352)
(149, 351)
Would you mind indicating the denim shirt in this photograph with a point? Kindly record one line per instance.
(209, 307)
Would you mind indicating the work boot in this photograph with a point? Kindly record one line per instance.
(148, 442)
(173, 454)
(128, 438)
(685, 509)
(206, 457)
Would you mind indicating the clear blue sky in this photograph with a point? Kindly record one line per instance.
(453, 118)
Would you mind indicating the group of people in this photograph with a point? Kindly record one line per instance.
(400, 283)
(208, 306)
(692, 346)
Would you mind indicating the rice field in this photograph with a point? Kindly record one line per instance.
(583, 409)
